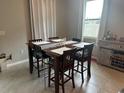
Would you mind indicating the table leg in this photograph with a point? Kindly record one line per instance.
(30, 59)
(56, 66)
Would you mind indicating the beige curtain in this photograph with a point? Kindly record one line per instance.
(103, 24)
(43, 18)
(82, 15)
(104, 19)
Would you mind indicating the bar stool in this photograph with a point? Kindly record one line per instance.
(66, 64)
(121, 91)
(83, 55)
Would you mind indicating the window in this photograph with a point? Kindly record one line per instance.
(92, 18)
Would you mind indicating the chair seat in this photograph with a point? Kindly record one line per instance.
(39, 55)
(46, 56)
(78, 56)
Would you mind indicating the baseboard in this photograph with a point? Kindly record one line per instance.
(27, 60)
(17, 63)
(94, 58)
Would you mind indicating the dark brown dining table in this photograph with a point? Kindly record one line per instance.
(56, 62)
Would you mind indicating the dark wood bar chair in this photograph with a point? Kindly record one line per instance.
(76, 39)
(38, 56)
(83, 55)
(30, 53)
(121, 91)
(66, 64)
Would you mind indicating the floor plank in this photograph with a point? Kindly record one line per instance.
(16, 79)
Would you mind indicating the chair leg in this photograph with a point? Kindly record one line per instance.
(49, 75)
(42, 64)
(82, 74)
(89, 68)
(63, 89)
(69, 72)
(38, 69)
(44, 78)
(77, 65)
(73, 78)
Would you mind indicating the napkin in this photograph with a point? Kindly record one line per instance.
(81, 45)
(41, 42)
(57, 40)
(60, 50)
(70, 42)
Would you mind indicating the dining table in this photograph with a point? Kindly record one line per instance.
(55, 50)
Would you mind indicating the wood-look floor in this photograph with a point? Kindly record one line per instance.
(18, 80)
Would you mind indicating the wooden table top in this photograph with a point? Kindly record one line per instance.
(78, 45)
(56, 54)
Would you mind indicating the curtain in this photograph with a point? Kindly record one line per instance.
(43, 18)
(104, 19)
(103, 25)
(82, 14)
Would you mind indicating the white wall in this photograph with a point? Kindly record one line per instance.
(115, 21)
(69, 18)
(61, 22)
(14, 20)
(74, 18)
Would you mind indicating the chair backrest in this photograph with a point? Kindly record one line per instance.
(76, 39)
(50, 38)
(36, 48)
(33, 46)
(67, 60)
(84, 54)
(35, 40)
(87, 52)
(37, 52)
